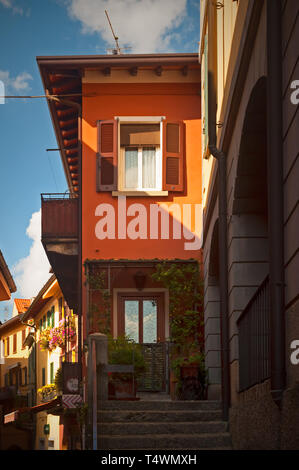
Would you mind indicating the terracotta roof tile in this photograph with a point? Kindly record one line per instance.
(22, 304)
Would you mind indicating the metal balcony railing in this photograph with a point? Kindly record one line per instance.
(59, 216)
(254, 339)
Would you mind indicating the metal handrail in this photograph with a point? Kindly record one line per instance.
(58, 196)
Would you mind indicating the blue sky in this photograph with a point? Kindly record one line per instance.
(30, 28)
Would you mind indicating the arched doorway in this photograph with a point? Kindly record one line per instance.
(248, 250)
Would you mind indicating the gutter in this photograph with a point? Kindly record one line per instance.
(222, 207)
(117, 60)
(275, 199)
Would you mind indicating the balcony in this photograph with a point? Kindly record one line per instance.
(254, 339)
(60, 240)
(59, 216)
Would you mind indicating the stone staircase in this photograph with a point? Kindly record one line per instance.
(160, 425)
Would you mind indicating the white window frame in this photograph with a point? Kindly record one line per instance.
(121, 155)
(139, 187)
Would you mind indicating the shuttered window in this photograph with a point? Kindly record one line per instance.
(48, 318)
(52, 316)
(173, 156)
(51, 372)
(143, 165)
(23, 337)
(14, 343)
(107, 156)
(7, 346)
(43, 377)
(60, 308)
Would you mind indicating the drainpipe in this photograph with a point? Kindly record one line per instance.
(275, 198)
(222, 205)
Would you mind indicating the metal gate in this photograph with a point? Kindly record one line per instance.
(156, 376)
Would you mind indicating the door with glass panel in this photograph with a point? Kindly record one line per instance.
(142, 318)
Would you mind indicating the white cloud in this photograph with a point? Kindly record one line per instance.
(31, 272)
(145, 25)
(15, 85)
(11, 4)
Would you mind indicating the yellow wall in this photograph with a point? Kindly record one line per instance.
(230, 22)
(19, 356)
(43, 360)
(53, 421)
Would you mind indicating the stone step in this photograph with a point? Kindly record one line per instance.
(159, 405)
(119, 428)
(165, 441)
(173, 416)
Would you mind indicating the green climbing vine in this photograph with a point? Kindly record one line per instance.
(185, 288)
(99, 312)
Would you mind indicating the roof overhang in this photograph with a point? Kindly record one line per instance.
(62, 81)
(7, 284)
(39, 300)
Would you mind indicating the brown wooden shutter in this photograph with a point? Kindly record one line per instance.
(173, 156)
(107, 156)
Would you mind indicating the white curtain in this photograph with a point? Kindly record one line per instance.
(131, 168)
(148, 167)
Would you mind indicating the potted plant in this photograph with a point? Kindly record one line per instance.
(191, 376)
(44, 339)
(47, 392)
(65, 329)
(124, 351)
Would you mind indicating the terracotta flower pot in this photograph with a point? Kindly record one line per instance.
(122, 388)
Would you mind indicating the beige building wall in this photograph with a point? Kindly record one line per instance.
(232, 14)
(19, 356)
(255, 421)
(44, 360)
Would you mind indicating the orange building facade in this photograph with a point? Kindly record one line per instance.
(130, 134)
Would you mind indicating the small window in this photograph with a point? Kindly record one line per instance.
(43, 377)
(60, 303)
(140, 157)
(14, 343)
(23, 337)
(140, 154)
(52, 316)
(51, 372)
(7, 346)
(44, 322)
(48, 318)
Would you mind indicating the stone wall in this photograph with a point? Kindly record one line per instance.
(256, 422)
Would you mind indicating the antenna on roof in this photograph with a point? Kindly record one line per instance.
(117, 50)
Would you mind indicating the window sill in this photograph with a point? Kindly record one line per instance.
(139, 193)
